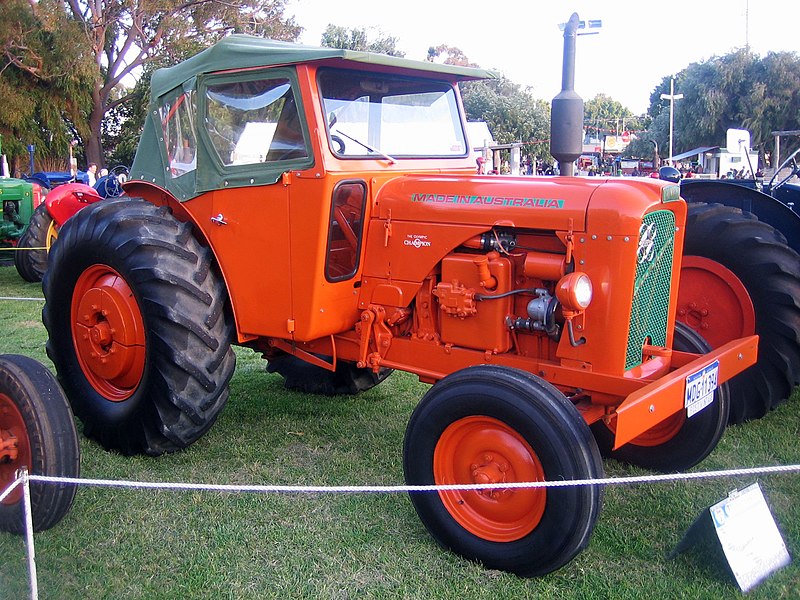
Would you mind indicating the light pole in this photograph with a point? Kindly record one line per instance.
(672, 96)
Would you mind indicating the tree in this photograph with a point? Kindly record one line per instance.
(606, 115)
(511, 112)
(121, 36)
(452, 55)
(738, 90)
(43, 82)
(335, 36)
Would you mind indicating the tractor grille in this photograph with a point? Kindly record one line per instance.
(651, 287)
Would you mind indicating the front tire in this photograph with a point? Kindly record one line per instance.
(678, 443)
(139, 327)
(492, 424)
(41, 233)
(35, 413)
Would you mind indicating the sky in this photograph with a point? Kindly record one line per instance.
(638, 45)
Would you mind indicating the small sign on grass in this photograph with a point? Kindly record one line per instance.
(743, 528)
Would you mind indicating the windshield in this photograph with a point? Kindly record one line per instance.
(381, 116)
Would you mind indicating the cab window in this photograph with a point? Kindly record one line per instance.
(345, 230)
(374, 115)
(180, 137)
(254, 121)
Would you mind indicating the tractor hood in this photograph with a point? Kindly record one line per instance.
(546, 203)
(419, 219)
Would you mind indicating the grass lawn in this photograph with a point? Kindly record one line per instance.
(119, 543)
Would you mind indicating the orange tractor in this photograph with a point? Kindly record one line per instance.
(321, 206)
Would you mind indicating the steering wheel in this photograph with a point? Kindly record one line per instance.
(339, 142)
(791, 161)
(110, 185)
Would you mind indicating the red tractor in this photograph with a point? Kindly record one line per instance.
(50, 213)
(321, 206)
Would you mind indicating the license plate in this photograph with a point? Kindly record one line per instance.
(700, 387)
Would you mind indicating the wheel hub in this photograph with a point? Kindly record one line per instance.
(15, 451)
(484, 450)
(108, 332)
(714, 302)
(490, 472)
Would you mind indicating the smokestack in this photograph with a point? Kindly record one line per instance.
(566, 115)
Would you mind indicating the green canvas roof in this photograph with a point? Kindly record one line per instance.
(240, 53)
(243, 51)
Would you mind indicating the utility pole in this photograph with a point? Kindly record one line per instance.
(672, 96)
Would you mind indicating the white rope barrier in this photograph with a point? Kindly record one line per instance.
(11, 487)
(390, 489)
(23, 299)
(24, 479)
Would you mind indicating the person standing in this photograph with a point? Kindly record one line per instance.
(90, 177)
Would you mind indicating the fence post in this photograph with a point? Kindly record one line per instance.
(31, 551)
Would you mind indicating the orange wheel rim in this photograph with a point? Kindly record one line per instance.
(15, 447)
(481, 449)
(714, 302)
(108, 333)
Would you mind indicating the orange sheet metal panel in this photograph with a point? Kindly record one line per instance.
(252, 253)
(531, 202)
(486, 329)
(647, 407)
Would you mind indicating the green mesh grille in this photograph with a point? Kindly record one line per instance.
(651, 288)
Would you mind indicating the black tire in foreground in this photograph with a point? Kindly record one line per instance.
(758, 267)
(35, 412)
(493, 424)
(679, 442)
(31, 264)
(304, 377)
(139, 327)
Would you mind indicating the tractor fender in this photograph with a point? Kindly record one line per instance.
(66, 200)
(765, 207)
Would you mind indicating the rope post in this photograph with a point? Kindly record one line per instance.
(31, 551)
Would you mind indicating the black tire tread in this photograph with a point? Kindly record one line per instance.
(576, 458)
(32, 264)
(184, 305)
(698, 437)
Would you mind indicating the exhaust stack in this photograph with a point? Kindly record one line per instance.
(566, 115)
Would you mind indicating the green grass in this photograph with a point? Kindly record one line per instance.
(118, 543)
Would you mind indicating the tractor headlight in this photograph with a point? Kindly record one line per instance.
(574, 291)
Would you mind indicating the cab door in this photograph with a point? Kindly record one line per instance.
(253, 134)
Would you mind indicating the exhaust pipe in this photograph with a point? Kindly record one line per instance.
(566, 114)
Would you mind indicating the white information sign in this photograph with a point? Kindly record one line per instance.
(750, 539)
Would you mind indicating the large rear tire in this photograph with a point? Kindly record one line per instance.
(41, 233)
(679, 442)
(139, 326)
(492, 424)
(740, 277)
(302, 376)
(35, 415)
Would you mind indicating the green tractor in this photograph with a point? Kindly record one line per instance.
(20, 200)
